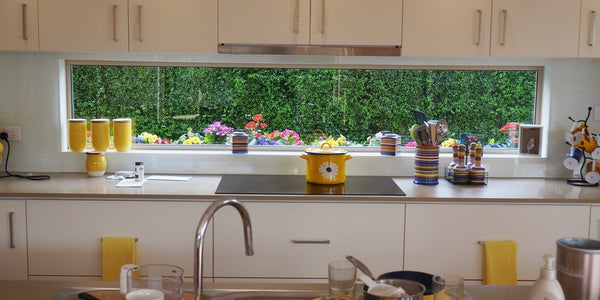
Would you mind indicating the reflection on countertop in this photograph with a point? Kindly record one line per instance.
(203, 187)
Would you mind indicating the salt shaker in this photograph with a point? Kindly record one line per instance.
(139, 171)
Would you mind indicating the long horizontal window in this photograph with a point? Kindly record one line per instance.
(284, 106)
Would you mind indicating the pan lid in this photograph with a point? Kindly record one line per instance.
(326, 149)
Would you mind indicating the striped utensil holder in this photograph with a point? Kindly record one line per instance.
(427, 161)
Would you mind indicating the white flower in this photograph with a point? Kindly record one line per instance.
(329, 170)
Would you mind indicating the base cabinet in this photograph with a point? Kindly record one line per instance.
(13, 240)
(297, 240)
(445, 238)
(65, 237)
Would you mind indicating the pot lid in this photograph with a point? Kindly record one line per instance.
(326, 149)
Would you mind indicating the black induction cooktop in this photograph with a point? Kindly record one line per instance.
(297, 185)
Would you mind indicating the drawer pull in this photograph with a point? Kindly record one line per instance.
(297, 17)
(311, 242)
(592, 32)
(139, 8)
(10, 229)
(24, 19)
(502, 35)
(477, 31)
(114, 23)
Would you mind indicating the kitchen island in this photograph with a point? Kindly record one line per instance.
(59, 224)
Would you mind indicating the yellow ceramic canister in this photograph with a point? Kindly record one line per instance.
(122, 134)
(77, 134)
(95, 163)
(100, 134)
(326, 165)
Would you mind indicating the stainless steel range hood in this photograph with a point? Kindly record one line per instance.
(310, 50)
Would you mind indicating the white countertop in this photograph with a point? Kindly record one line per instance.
(202, 187)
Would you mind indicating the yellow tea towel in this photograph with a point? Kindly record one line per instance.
(116, 252)
(500, 262)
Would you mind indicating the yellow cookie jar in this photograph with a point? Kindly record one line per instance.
(95, 163)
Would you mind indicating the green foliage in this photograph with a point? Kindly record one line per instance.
(354, 102)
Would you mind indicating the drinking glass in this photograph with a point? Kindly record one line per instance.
(342, 277)
(448, 287)
(167, 279)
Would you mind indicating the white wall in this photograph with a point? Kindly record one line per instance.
(30, 96)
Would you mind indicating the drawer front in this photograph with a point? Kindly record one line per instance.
(295, 240)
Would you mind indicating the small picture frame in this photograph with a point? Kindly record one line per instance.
(530, 139)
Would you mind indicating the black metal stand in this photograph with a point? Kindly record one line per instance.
(581, 181)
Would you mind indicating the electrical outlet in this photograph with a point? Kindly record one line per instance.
(14, 132)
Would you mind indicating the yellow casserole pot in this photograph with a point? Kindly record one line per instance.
(326, 165)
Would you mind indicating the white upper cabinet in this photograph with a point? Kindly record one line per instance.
(589, 29)
(188, 26)
(535, 28)
(446, 28)
(264, 21)
(302, 22)
(83, 25)
(356, 22)
(18, 25)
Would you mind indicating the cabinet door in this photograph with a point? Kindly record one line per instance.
(446, 28)
(13, 240)
(356, 22)
(173, 26)
(595, 223)
(535, 28)
(264, 21)
(589, 29)
(65, 236)
(83, 25)
(444, 238)
(297, 240)
(19, 25)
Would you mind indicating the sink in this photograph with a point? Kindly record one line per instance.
(209, 294)
(477, 292)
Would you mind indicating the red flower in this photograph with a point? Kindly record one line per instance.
(257, 118)
(250, 125)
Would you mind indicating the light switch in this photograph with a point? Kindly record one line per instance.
(597, 113)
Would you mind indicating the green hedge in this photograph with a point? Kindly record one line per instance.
(354, 102)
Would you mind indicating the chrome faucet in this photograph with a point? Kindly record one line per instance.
(201, 231)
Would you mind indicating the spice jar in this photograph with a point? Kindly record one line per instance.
(95, 163)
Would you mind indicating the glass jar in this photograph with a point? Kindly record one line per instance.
(95, 163)
(100, 134)
(77, 134)
(122, 134)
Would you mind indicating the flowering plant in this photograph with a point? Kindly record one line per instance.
(334, 142)
(149, 138)
(217, 133)
(376, 140)
(286, 137)
(190, 138)
(512, 129)
(254, 126)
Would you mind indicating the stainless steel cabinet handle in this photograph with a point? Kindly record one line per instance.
(24, 15)
(477, 31)
(114, 24)
(297, 17)
(10, 229)
(311, 242)
(502, 34)
(140, 23)
(322, 29)
(592, 31)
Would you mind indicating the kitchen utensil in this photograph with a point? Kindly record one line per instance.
(382, 289)
(413, 289)
(167, 279)
(419, 116)
(578, 265)
(326, 165)
(361, 266)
